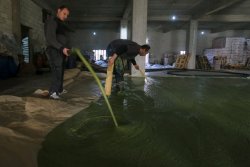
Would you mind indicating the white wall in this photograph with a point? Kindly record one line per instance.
(84, 39)
(231, 33)
(175, 41)
(160, 43)
(171, 42)
(205, 41)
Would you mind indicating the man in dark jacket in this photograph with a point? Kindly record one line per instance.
(55, 34)
(124, 49)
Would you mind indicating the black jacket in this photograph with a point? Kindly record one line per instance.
(124, 48)
(55, 33)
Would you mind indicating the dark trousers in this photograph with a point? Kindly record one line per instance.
(118, 68)
(119, 73)
(56, 60)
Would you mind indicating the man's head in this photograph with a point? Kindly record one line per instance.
(144, 50)
(62, 13)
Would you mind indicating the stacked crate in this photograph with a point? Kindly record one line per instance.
(212, 53)
(233, 49)
(202, 63)
(182, 61)
(237, 50)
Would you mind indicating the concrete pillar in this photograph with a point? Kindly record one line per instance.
(192, 43)
(124, 29)
(16, 20)
(139, 31)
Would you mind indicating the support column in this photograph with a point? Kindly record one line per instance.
(124, 29)
(139, 31)
(192, 43)
(16, 20)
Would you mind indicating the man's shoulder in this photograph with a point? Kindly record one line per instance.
(51, 19)
(117, 41)
(123, 42)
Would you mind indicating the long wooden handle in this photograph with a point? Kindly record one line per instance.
(108, 83)
(142, 73)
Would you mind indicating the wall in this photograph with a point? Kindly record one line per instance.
(205, 41)
(84, 39)
(231, 33)
(161, 43)
(8, 42)
(31, 16)
(5, 16)
(175, 41)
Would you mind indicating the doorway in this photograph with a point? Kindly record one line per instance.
(25, 43)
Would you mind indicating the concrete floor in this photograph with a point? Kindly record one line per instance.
(163, 121)
(189, 112)
(209, 73)
(25, 118)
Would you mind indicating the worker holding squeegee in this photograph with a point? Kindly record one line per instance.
(118, 50)
(56, 40)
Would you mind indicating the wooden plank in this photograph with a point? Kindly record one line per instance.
(108, 83)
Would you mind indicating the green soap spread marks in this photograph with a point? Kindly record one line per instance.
(171, 122)
(77, 51)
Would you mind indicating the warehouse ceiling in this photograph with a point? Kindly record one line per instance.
(212, 15)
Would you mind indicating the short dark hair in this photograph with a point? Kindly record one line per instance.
(62, 7)
(146, 47)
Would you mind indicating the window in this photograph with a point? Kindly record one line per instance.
(124, 33)
(25, 49)
(147, 59)
(25, 43)
(100, 54)
(182, 52)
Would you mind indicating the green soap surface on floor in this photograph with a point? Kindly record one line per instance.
(167, 122)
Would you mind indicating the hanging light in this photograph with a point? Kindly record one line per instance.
(173, 17)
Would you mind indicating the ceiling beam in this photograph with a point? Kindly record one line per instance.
(239, 26)
(169, 18)
(95, 27)
(164, 28)
(127, 11)
(207, 7)
(222, 18)
(43, 4)
(226, 18)
(94, 19)
(224, 5)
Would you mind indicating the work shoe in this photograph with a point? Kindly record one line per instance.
(54, 96)
(63, 92)
(121, 93)
(120, 86)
